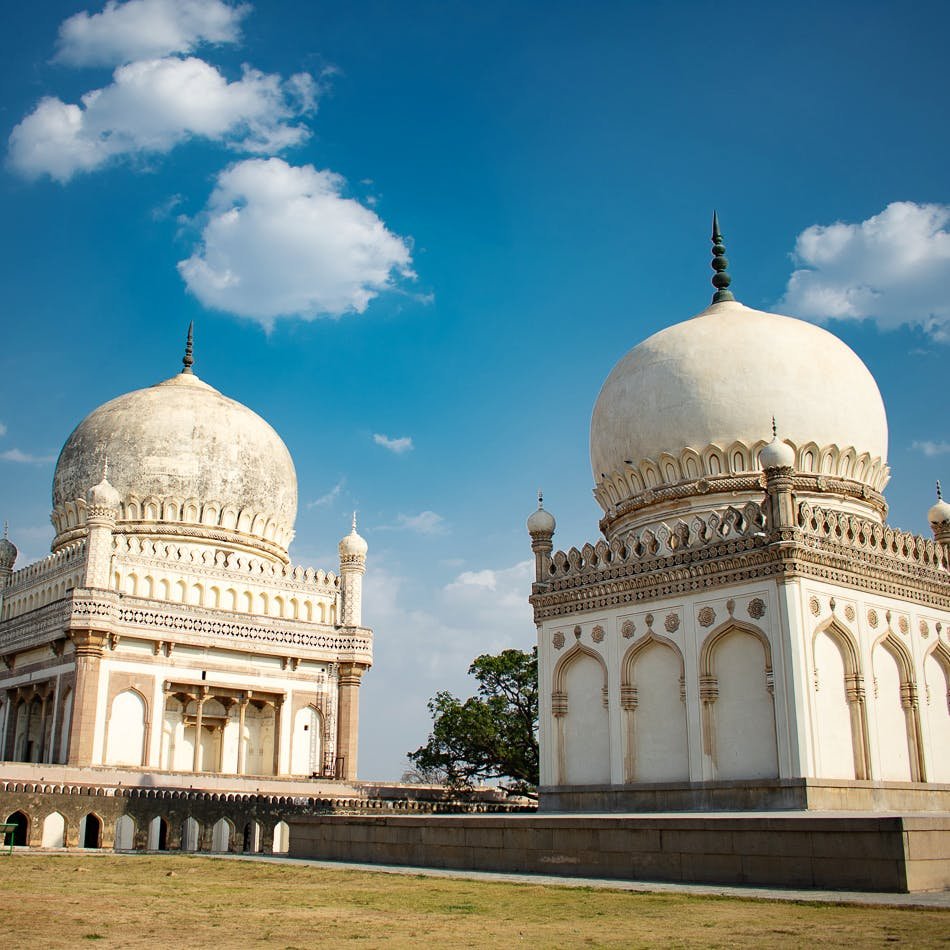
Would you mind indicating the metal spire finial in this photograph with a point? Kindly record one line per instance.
(354, 522)
(939, 492)
(774, 429)
(540, 499)
(6, 527)
(720, 280)
(188, 359)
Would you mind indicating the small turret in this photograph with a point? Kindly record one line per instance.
(8, 553)
(102, 510)
(939, 518)
(541, 526)
(353, 550)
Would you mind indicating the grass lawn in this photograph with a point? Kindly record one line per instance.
(147, 901)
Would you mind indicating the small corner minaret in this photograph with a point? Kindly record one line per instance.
(778, 461)
(8, 554)
(541, 526)
(353, 550)
(939, 518)
(102, 510)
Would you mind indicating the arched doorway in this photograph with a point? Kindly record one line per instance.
(307, 750)
(90, 832)
(252, 838)
(21, 837)
(221, 835)
(54, 831)
(158, 834)
(125, 834)
(281, 838)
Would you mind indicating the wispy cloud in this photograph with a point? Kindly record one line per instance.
(893, 268)
(426, 522)
(15, 455)
(142, 29)
(331, 496)
(400, 445)
(284, 241)
(931, 448)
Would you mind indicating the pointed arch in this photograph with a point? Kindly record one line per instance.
(654, 711)
(738, 702)
(891, 742)
(839, 706)
(580, 717)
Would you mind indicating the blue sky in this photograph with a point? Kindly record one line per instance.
(506, 197)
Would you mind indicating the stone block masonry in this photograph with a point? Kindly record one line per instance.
(897, 853)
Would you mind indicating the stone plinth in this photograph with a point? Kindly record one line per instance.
(844, 851)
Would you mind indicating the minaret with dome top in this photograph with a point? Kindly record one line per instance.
(168, 631)
(748, 631)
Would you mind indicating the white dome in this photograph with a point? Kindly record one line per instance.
(186, 461)
(697, 398)
(541, 522)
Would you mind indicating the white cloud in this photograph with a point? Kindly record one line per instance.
(893, 268)
(154, 105)
(931, 448)
(400, 445)
(330, 497)
(420, 650)
(15, 455)
(426, 522)
(145, 29)
(281, 240)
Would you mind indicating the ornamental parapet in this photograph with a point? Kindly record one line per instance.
(868, 536)
(225, 564)
(65, 563)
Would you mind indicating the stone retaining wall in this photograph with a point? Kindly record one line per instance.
(871, 852)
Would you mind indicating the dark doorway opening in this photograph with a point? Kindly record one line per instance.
(21, 836)
(92, 833)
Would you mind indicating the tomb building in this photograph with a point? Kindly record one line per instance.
(748, 631)
(168, 629)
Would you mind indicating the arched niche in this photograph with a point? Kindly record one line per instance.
(839, 711)
(937, 679)
(738, 704)
(896, 710)
(306, 756)
(653, 698)
(579, 706)
(127, 727)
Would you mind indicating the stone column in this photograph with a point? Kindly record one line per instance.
(44, 722)
(242, 746)
(82, 727)
(196, 759)
(348, 719)
(278, 726)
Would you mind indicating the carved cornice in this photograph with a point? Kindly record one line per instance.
(785, 554)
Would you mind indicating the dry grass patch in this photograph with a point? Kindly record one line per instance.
(148, 901)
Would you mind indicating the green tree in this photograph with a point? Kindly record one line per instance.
(493, 734)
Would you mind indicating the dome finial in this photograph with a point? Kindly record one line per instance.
(188, 360)
(540, 499)
(774, 429)
(6, 525)
(939, 494)
(354, 522)
(720, 280)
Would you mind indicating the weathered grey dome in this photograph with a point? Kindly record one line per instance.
(185, 461)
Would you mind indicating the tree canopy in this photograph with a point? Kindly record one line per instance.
(493, 734)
